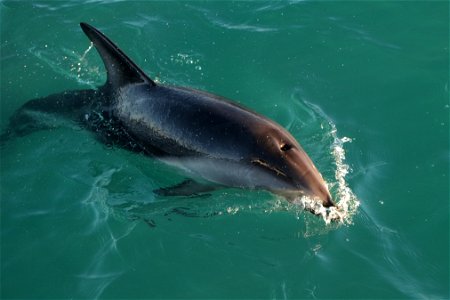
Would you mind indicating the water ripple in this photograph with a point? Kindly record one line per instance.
(247, 26)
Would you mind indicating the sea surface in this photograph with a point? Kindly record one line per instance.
(364, 87)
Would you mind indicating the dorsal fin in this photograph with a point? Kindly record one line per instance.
(121, 70)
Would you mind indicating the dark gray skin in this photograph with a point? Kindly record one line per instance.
(206, 135)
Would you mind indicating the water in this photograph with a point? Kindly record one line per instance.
(362, 85)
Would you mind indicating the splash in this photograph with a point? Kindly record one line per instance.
(83, 57)
(186, 59)
(70, 64)
(347, 203)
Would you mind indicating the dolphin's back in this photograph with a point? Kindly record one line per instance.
(181, 121)
(41, 113)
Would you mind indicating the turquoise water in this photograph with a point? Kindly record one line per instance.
(362, 85)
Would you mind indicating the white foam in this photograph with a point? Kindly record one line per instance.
(346, 201)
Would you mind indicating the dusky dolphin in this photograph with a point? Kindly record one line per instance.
(215, 140)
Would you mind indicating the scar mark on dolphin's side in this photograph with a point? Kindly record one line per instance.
(266, 165)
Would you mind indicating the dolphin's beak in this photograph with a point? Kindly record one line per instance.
(307, 177)
(316, 187)
(327, 201)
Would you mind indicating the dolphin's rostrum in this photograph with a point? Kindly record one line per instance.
(210, 137)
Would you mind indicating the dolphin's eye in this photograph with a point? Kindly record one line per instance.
(285, 147)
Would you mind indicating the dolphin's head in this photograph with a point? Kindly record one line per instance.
(282, 156)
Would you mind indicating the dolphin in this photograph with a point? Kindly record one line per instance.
(216, 141)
